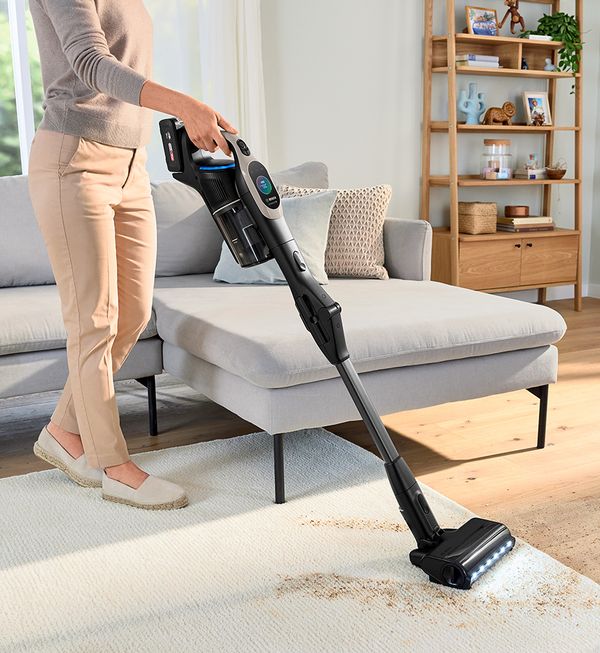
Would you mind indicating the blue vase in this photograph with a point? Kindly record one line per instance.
(472, 105)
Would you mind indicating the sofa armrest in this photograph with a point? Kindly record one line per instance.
(407, 246)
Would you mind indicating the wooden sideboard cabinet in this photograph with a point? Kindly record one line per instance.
(495, 262)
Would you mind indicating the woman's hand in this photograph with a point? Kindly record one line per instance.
(202, 123)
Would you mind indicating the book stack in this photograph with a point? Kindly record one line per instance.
(478, 61)
(531, 173)
(525, 225)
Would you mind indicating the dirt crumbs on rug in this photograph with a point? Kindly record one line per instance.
(359, 524)
(335, 586)
(394, 594)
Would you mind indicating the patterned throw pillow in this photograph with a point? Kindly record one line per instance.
(355, 239)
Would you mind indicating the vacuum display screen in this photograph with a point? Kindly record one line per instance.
(264, 184)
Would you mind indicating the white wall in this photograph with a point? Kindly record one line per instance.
(344, 85)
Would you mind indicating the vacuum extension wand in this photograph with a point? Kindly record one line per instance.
(246, 206)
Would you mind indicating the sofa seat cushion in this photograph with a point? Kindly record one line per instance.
(31, 320)
(256, 333)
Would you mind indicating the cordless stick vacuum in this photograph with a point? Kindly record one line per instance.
(247, 209)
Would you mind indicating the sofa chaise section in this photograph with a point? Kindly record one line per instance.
(415, 342)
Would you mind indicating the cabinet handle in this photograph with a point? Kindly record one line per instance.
(529, 244)
(517, 244)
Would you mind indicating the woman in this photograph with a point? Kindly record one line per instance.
(91, 196)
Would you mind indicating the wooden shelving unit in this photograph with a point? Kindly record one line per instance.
(501, 261)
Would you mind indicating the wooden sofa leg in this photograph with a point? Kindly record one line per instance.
(278, 459)
(541, 392)
(150, 383)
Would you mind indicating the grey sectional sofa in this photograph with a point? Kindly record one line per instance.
(415, 342)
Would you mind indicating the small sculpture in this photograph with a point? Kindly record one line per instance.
(472, 105)
(500, 115)
(524, 64)
(537, 119)
(515, 16)
(550, 67)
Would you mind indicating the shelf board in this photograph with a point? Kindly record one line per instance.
(510, 72)
(475, 180)
(442, 126)
(444, 232)
(499, 40)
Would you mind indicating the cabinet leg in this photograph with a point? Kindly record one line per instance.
(578, 304)
(541, 296)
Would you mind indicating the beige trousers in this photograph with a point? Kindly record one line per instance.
(93, 206)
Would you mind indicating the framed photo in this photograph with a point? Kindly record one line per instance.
(537, 108)
(482, 21)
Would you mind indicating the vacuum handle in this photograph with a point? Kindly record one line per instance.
(201, 156)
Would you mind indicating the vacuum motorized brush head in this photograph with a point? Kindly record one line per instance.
(463, 555)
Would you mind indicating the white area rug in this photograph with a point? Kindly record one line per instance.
(327, 571)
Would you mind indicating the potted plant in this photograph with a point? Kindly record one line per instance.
(562, 27)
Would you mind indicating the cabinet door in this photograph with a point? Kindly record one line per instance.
(489, 264)
(549, 260)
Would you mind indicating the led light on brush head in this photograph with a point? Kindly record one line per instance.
(493, 559)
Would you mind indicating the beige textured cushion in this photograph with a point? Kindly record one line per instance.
(355, 239)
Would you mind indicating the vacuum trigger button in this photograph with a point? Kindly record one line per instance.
(423, 502)
(299, 261)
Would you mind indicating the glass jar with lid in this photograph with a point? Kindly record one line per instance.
(496, 160)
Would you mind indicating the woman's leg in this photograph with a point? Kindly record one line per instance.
(136, 241)
(74, 184)
(135, 236)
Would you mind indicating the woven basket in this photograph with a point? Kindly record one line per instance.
(477, 217)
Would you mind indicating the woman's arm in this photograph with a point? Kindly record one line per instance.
(83, 42)
(201, 121)
(77, 25)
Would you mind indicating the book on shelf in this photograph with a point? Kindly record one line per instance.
(539, 37)
(477, 57)
(516, 229)
(530, 173)
(478, 64)
(526, 221)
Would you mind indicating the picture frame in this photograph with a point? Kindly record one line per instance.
(482, 21)
(537, 108)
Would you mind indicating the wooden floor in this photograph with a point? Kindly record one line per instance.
(480, 453)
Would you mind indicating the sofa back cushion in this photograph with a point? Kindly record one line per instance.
(23, 257)
(188, 239)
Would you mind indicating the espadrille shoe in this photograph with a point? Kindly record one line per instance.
(77, 469)
(153, 494)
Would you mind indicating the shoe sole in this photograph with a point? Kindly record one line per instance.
(170, 505)
(49, 458)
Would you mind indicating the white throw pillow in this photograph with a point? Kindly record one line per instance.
(308, 219)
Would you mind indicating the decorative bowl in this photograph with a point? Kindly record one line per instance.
(556, 173)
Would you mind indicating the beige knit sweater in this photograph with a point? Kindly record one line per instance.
(95, 56)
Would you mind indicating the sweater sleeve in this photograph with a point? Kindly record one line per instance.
(83, 42)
